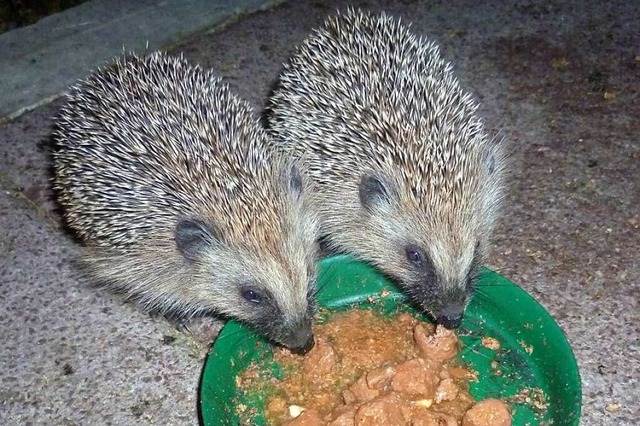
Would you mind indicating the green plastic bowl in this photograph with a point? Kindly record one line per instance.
(534, 353)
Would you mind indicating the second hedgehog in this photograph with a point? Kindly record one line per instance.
(407, 177)
(166, 177)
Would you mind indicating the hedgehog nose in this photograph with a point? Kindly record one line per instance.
(450, 321)
(305, 348)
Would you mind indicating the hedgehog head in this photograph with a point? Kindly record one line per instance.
(421, 204)
(169, 180)
(262, 266)
(408, 179)
(429, 231)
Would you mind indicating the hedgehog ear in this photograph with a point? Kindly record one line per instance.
(491, 163)
(373, 192)
(293, 180)
(193, 236)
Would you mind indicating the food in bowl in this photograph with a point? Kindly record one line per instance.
(370, 369)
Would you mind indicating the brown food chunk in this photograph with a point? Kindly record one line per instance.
(277, 405)
(441, 346)
(490, 343)
(365, 340)
(349, 397)
(415, 378)
(359, 391)
(444, 374)
(447, 391)
(320, 360)
(429, 418)
(383, 411)
(490, 412)
(460, 373)
(308, 417)
(380, 377)
(344, 415)
(407, 319)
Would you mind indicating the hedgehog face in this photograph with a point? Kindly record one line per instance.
(275, 303)
(433, 255)
(440, 284)
(268, 311)
(284, 284)
(268, 284)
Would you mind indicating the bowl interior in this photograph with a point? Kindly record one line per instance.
(538, 371)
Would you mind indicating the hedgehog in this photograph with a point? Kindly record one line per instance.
(181, 202)
(408, 179)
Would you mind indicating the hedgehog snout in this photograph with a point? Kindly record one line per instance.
(300, 338)
(305, 348)
(448, 307)
(450, 318)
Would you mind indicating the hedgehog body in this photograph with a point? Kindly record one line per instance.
(407, 178)
(169, 181)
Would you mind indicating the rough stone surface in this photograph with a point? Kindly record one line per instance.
(74, 355)
(557, 79)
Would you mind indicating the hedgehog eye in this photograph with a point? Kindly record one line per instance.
(414, 255)
(252, 295)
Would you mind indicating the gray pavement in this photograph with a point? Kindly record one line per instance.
(40, 61)
(560, 80)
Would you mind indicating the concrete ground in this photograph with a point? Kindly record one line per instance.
(558, 79)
